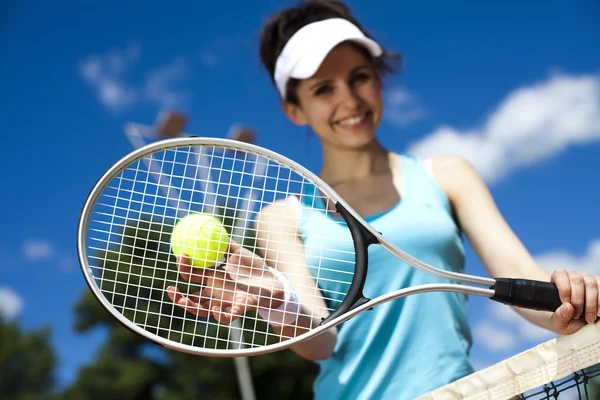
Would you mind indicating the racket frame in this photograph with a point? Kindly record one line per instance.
(363, 235)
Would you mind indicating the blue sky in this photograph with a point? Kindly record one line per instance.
(513, 86)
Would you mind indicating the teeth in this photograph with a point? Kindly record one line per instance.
(352, 120)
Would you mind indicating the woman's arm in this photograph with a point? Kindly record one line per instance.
(280, 245)
(503, 254)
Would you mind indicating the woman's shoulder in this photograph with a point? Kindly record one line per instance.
(455, 175)
(444, 167)
(285, 211)
(441, 162)
(452, 169)
(451, 173)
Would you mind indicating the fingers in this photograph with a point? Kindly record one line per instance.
(184, 267)
(577, 293)
(234, 247)
(598, 286)
(241, 304)
(581, 291)
(591, 298)
(244, 257)
(560, 277)
(203, 305)
(193, 304)
(193, 274)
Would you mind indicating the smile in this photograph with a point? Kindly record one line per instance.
(354, 120)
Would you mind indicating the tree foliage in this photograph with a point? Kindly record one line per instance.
(128, 366)
(27, 363)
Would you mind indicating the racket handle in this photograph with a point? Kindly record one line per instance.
(526, 293)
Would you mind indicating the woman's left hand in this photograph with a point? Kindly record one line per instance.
(242, 283)
(580, 296)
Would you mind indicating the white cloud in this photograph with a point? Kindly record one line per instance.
(36, 249)
(503, 329)
(11, 303)
(532, 124)
(402, 107)
(525, 330)
(589, 262)
(105, 73)
(493, 337)
(159, 86)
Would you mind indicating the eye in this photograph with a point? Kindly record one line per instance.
(360, 77)
(323, 90)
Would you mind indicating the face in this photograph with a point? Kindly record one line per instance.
(342, 102)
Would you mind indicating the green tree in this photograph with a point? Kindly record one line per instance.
(27, 363)
(127, 366)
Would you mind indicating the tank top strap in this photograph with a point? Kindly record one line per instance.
(419, 184)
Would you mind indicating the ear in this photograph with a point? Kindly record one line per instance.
(294, 112)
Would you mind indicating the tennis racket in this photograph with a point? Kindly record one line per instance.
(123, 242)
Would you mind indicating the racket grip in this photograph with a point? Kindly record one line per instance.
(527, 293)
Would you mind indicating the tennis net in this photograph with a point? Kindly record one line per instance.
(566, 367)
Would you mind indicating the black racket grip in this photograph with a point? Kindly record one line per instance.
(526, 293)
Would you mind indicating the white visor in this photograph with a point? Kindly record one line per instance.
(305, 51)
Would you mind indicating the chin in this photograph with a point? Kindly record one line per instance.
(350, 139)
(359, 141)
(357, 136)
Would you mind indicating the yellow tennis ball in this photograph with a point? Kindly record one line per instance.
(202, 238)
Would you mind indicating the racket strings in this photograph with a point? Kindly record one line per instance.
(321, 234)
(129, 231)
(141, 276)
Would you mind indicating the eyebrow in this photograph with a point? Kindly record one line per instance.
(328, 80)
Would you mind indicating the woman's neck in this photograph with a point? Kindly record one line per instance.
(343, 165)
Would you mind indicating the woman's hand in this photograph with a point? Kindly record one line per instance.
(580, 296)
(242, 283)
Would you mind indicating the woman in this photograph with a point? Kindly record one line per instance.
(329, 73)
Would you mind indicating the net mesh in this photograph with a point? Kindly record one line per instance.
(567, 367)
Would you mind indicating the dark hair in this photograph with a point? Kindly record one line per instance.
(282, 26)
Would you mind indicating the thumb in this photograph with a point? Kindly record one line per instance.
(562, 320)
(234, 247)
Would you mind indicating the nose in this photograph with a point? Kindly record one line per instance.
(349, 97)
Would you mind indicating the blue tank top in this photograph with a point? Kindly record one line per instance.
(409, 346)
